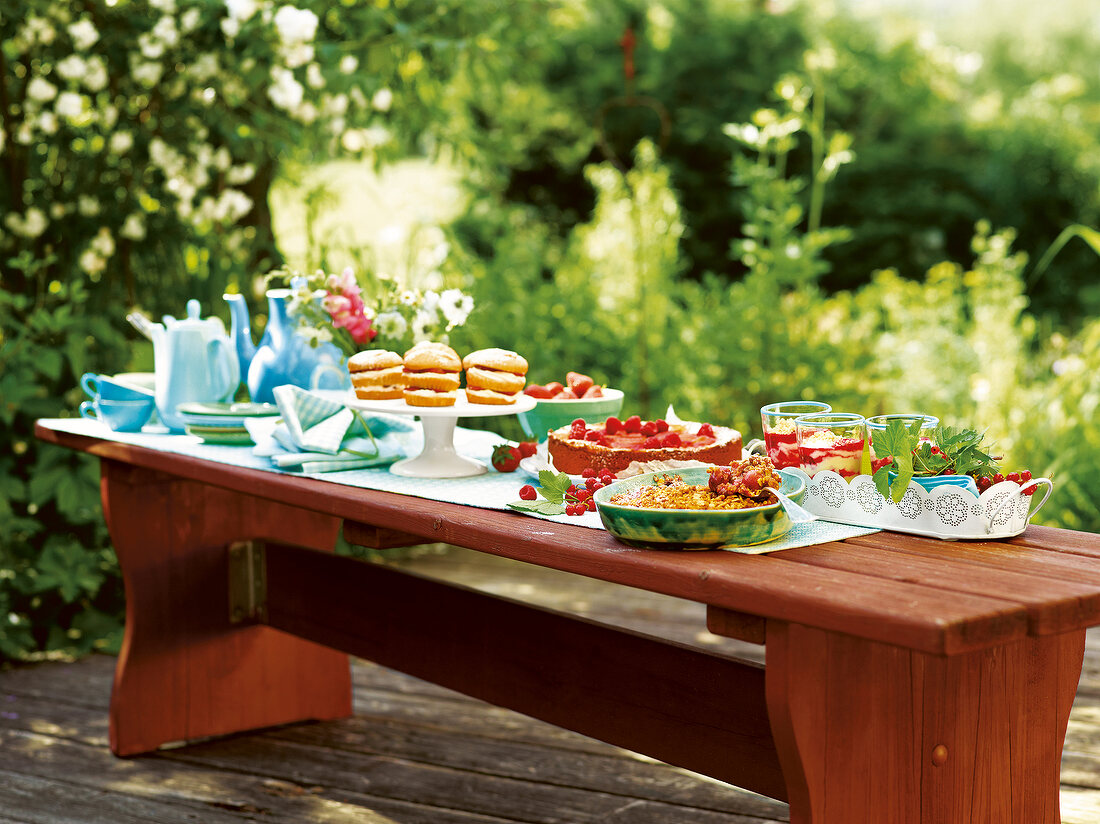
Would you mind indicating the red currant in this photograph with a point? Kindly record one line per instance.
(1013, 476)
(590, 505)
(527, 493)
(606, 477)
(591, 482)
(1025, 475)
(998, 478)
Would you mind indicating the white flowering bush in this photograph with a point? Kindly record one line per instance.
(138, 143)
(140, 137)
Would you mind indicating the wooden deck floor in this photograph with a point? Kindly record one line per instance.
(413, 753)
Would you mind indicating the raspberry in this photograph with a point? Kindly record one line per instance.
(613, 425)
(579, 422)
(633, 424)
(588, 472)
(706, 431)
(671, 439)
(577, 432)
(652, 442)
(649, 428)
(592, 435)
(527, 493)
(662, 425)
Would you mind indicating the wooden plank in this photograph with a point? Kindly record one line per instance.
(184, 671)
(870, 732)
(685, 707)
(1059, 540)
(1054, 604)
(922, 617)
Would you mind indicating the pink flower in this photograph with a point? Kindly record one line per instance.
(349, 312)
(344, 283)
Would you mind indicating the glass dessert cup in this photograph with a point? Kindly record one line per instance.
(780, 438)
(831, 441)
(928, 424)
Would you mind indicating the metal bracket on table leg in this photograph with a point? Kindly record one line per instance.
(247, 582)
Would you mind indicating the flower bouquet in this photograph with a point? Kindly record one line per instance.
(336, 308)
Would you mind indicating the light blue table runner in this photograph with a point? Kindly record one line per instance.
(493, 490)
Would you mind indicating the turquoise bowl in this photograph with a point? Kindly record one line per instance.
(930, 482)
(693, 528)
(550, 414)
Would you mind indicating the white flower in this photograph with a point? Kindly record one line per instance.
(95, 74)
(103, 244)
(353, 140)
(165, 31)
(84, 34)
(295, 25)
(165, 6)
(148, 74)
(409, 298)
(314, 78)
(231, 27)
(189, 20)
(134, 227)
(120, 143)
(232, 205)
(69, 104)
(297, 54)
(382, 100)
(240, 10)
(391, 324)
(71, 67)
(57, 211)
(285, 92)
(376, 135)
(39, 29)
(41, 89)
(92, 263)
(423, 324)
(47, 122)
(87, 205)
(430, 302)
(204, 67)
(455, 306)
(236, 175)
(335, 104)
(348, 64)
(151, 47)
(29, 225)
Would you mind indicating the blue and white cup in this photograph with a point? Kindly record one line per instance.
(105, 387)
(120, 416)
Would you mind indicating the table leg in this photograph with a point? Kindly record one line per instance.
(871, 732)
(184, 672)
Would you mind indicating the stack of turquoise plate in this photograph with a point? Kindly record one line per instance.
(222, 423)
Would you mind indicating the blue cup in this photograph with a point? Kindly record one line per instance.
(107, 388)
(120, 416)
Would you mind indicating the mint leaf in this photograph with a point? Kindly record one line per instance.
(897, 441)
(554, 485)
(543, 507)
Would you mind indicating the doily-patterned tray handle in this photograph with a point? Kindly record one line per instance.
(948, 512)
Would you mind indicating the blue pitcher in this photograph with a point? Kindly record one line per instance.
(282, 356)
(193, 362)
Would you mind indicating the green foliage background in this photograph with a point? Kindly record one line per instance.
(832, 213)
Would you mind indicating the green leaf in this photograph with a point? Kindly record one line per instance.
(543, 507)
(554, 485)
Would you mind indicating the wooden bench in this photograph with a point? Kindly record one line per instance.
(906, 679)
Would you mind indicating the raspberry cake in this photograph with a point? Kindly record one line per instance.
(615, 444)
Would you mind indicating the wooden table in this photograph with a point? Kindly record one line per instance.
(906, 679)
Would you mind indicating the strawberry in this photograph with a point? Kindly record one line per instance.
(536, 390)
(578, 383)
(554, 388)
(592, 392)
(566, 395)
(527, 448)
(506, 458)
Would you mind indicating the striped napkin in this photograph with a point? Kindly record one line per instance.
(315, 434)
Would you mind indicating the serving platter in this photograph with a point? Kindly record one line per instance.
(694, 529)
(438, 458)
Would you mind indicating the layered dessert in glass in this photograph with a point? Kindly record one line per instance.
(928, 424)
(830, 441)
(780, 438)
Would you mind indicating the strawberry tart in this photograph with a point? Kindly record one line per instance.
(615, 445)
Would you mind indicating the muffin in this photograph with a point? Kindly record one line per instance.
(494, 376)
(377, 374)
(431, 372)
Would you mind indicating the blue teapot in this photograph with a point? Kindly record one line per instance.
(194, 361)
(282, 356)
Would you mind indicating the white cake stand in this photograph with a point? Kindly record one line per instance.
(438, 459)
